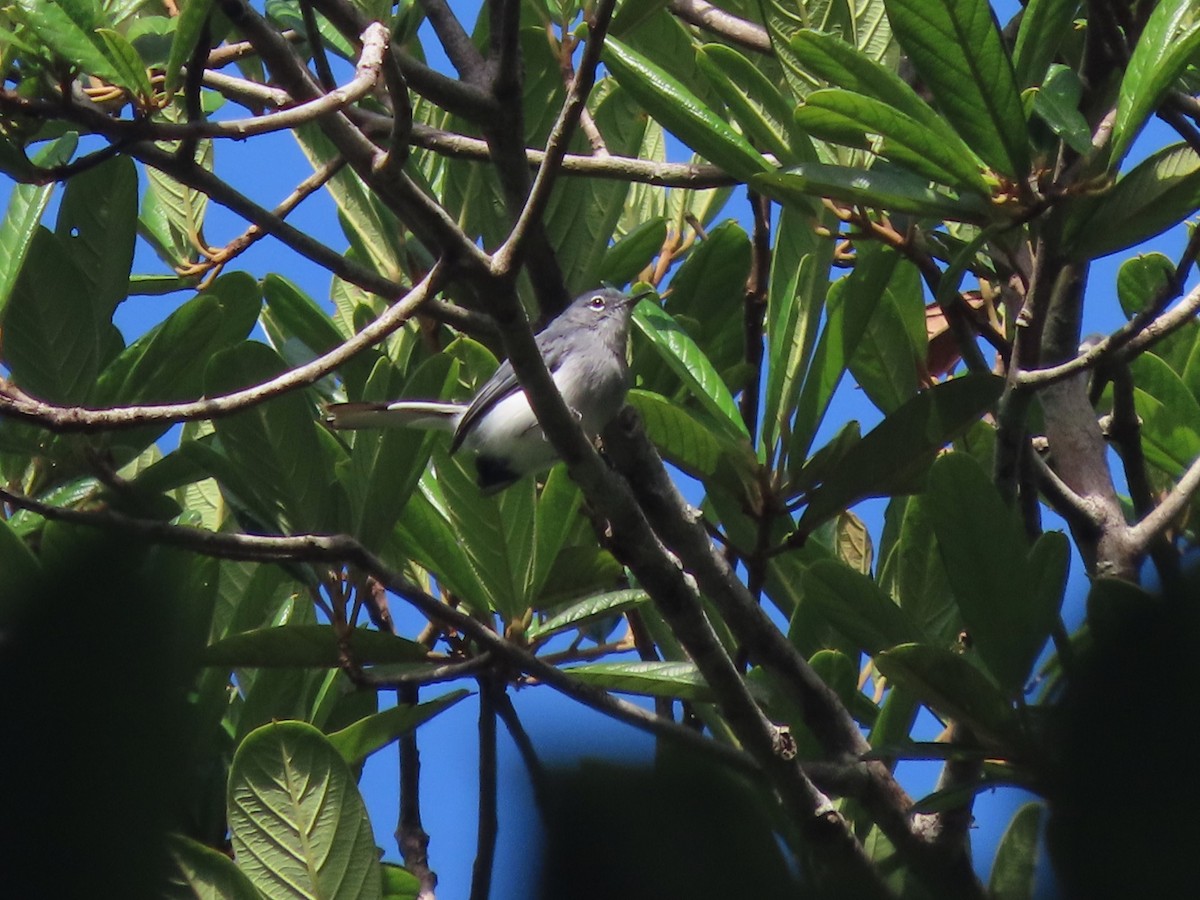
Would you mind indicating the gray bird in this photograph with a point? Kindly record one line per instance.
(584, 349)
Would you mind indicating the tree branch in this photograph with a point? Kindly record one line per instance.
(723, 24)
(16, 403)
(487, 825)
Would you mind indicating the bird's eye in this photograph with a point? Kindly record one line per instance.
(596, 303)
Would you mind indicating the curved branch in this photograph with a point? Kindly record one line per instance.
(704, 15)
(16, 403)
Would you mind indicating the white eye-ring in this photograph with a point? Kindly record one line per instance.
(596, 303)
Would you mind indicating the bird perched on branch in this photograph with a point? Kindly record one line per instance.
(584, 349)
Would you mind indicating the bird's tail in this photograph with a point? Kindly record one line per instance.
(425, 414)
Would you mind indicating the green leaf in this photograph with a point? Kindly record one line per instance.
(67, 28)
(1009, 595)
(358, 741)
(1141, 280)
(688, 362)
(1014, 870)
(681, 112)
(399, 883)
(53, 335)
(149, 369)
(892, 456)
(953, 687)
(1043, 26)
(583, 212)
(631, 254)
(856, 607)
(889, 357)
(1057, 104)
(386, 463)
(274, 444)
(757, 105)
(586, 610)
(706, 296)
(785, 19)
(680, 680)
(800, 264)
(842, 66)
(557, 510)
(297, 821)
(956, 47)
(26, 204)
(844, 117)
(188, 27)
(495, 532)
(172, 215)
(1170, 414)
(309, 646)
(921, 584)
(201, 872)
(1164, 49)
(96, 222)
(369, 225)
(130, 69)
(881, 187)
(1159, 192)
(689, 442)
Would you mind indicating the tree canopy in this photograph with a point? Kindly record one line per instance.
(902, 198)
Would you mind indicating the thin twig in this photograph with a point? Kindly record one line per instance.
(411, 837)
(75, 418)
(487, 824)
(316, 46)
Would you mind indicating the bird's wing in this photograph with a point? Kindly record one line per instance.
(502, 383)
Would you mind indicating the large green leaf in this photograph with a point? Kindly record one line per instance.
(188, 26)
(68, 29)
(680, 680)
(201, 873)
(386, 463)
(1170, 414)
(1159, 192)
(707, 296)
(681, 112)
(291, 317)
(586, 610)
(786, 18)
(583, 212)
(358, 741)
(631, 254)
(1166, 46)
(840, 64)
(889, 358)
(893, 456)
(757, 104)
(853, 119)
(881, 187)
(26, 204)
(956, 47)
(689, 442)
(690, 364)
(951, 686)
(298, 824)
(274, 444)
(1044, 24)
(54, 338)
(149, 369)
(800, 263)
(856, 607)
(1008, 593)
(920, 576)
(1014, 870)
(496, 533)
(310, 646)
(369, 225)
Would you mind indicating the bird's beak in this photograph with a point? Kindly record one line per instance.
(634, 299)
